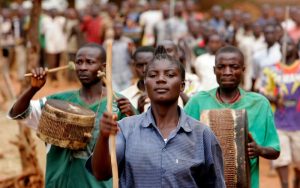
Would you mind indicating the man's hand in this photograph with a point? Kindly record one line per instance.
(38, 78)
(142, 101)
(253, 148)
(125, 106)
(108, 125)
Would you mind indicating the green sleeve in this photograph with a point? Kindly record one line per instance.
(271, 137)
(192, 108)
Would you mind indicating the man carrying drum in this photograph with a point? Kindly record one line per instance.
(263, 138)
(65, 167)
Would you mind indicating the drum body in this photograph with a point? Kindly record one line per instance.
(65, 124)
(231, 130)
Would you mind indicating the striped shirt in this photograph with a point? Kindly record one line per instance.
(190, 157)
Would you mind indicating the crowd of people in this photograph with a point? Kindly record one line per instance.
(164, 58)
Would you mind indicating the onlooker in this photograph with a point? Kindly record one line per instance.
(217, 21)
(281, 86)
(92, 26)
(55, 39)
(121, 59)
(204, 64)
(265, 57)
(136, 93)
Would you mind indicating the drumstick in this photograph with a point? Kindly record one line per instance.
(112, 138)
(70, 66)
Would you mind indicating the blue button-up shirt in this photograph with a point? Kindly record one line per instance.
(190, 157)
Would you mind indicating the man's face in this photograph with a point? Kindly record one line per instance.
(256, 29)
(290, 47)
(118, 30)
(142, 59)
(229, 70)
(214, 43)
(171, 49)
(87, 65)
(163, 82)
(269, 33)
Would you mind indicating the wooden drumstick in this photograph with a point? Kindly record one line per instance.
(102, 76)
(70, 66)
(112, 138)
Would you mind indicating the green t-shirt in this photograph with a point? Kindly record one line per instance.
(65, 168)
(260, 119)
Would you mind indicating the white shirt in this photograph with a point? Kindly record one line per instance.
(149, 19)
(55, 38)
(204, 66)
(265, 57)
(133, 94)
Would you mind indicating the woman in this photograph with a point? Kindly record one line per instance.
(162, 147)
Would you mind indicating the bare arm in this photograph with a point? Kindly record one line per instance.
(38, 80)
(255, 150)
(101, 165)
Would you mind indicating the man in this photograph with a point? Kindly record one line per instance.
(217, 21)
(267, 56)
(162, 28)
(263, 139)
(204, 64)
(92, 26)
(161, 147)
(122, 48)
(136, 92)
(281, 86)
(55, 40)
(65, 167)
(177, 24)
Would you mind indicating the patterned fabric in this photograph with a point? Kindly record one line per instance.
(283, 80)
(260, 119)
(191, 156)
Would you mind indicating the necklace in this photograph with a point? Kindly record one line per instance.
(232, 100)
(89, 106)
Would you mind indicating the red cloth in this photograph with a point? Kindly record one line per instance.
(295, 34)
(93, 29)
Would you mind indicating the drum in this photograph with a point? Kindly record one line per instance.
(65, 124)
(231, 130)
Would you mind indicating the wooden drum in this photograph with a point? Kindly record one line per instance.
(231, 129)
(65, 124)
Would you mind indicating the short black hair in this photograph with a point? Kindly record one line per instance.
(142, 49)
(230, 49)
(168, 42)
(269, 24)
(161, 54)
(99, 47)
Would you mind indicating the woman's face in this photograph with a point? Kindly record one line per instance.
(163, 82)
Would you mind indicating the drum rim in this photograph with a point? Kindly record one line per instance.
(49, 101)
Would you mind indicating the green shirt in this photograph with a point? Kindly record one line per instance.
(66, 168)
(260, 119)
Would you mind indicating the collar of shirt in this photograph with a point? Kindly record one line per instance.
(183, 120)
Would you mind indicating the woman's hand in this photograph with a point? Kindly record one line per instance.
(108, 125)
